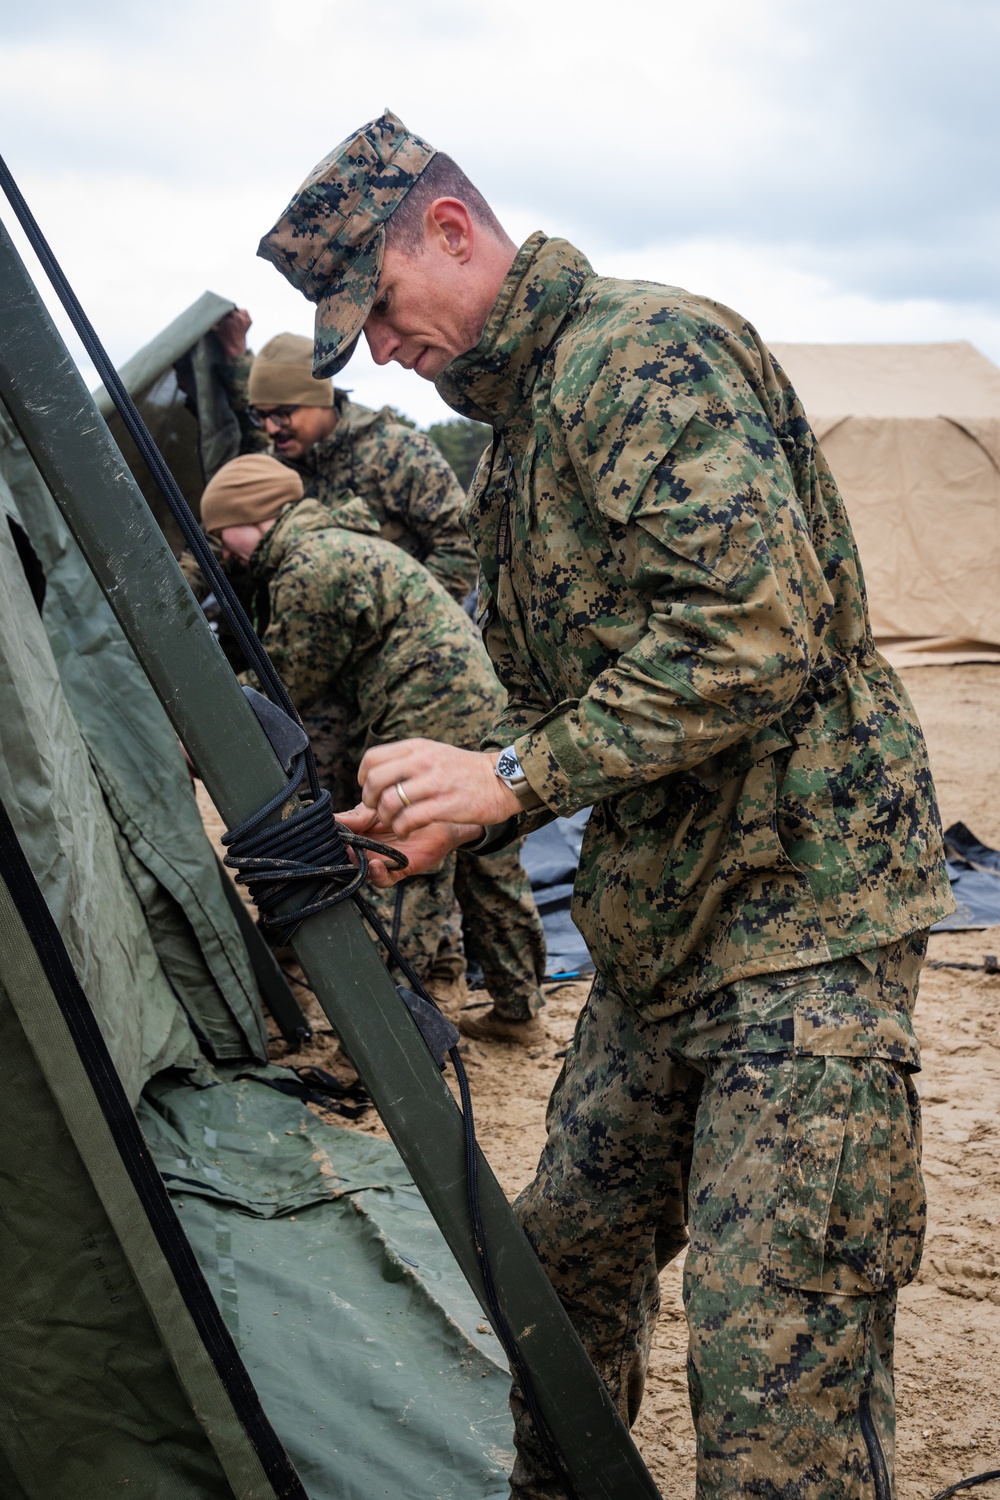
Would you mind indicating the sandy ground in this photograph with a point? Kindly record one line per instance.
(948, 1333)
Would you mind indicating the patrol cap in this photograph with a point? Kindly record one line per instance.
(247, 491)
(330, 239)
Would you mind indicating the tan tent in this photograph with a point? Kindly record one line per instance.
(912, 433)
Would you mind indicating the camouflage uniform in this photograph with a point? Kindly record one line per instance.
(404, 477)
(778, 1124)
(673, 601)
(412, 490)
(337, 604)
(675, 606)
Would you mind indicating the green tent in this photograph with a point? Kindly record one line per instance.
(208, 1291)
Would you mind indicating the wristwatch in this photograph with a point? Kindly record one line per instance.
(511, 773)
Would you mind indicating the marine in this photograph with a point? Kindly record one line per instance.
(337, 445)
(673, 603)
(334, 603)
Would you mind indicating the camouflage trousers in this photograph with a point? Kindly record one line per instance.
(774, 1132)
(476, 907)
(502, 929)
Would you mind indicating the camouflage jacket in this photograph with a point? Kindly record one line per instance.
(405, 478)
(341, 610)
(673, 601)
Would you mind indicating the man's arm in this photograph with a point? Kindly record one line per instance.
(737, 604)
(231, 331)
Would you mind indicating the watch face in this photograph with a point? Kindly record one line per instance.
(508, 765)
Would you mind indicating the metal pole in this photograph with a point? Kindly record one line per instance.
(275, 991)
(71, 445)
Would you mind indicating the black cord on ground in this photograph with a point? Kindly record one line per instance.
(967, 1484)
(310, 846)
(989, 964)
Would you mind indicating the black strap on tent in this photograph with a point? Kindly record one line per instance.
(270, 863)
(145, 1178)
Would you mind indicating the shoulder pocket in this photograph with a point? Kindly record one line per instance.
(700, 494)
(648, 432)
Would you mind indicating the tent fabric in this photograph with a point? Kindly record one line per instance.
(974, 872)
(176, 382)
(117, 1371)
(48, 784)
(133, 751)
(172, 343)
(361, 1335)
(935, 651)
(912, 434)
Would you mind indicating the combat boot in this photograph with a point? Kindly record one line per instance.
(492, 1027)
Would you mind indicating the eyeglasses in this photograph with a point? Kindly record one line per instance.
(280, 415)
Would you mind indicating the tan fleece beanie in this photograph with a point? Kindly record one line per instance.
(281, 375)
(248, 490)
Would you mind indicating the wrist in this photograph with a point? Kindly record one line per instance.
(509, 771)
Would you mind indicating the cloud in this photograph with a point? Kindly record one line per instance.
(835, 165)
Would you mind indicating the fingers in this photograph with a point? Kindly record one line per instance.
(381, 876)
(385, 765)
(358, 819)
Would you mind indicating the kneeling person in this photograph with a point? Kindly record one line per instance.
(338, 608)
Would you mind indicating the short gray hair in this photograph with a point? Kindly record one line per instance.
(441, 178)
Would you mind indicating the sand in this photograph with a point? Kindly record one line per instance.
(948, 1332)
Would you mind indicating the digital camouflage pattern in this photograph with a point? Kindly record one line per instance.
(776, 1124)
(330, 239)
(338, 606)
(403, 475)
(503, 931)
(406, 481)
(674, 604)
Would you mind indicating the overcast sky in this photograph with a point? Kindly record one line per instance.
(833, 171)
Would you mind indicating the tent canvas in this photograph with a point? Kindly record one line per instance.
(912, 434)
(375, 1374)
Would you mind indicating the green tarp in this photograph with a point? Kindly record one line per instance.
(165, 857)
(366, 1347)
(360, 1333)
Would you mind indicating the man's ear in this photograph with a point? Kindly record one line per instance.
(448, 224)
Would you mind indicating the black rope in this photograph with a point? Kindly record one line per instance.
(966, 1484)
(307, 846)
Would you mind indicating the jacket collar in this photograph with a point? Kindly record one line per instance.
(493, 381)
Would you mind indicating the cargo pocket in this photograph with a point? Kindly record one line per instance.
(830, 1229)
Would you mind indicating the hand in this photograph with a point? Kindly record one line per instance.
(425, 850)
(231, 331)
(440, 784)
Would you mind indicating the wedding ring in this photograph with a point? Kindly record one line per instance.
(401, 794)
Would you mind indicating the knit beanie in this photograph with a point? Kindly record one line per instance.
(248, 490)
(281, 375)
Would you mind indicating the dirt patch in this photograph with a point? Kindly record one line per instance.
(948, 1332)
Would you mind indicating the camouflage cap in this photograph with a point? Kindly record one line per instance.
(330, 239)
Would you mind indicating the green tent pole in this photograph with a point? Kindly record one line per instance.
(70, 443)
(274, 988)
